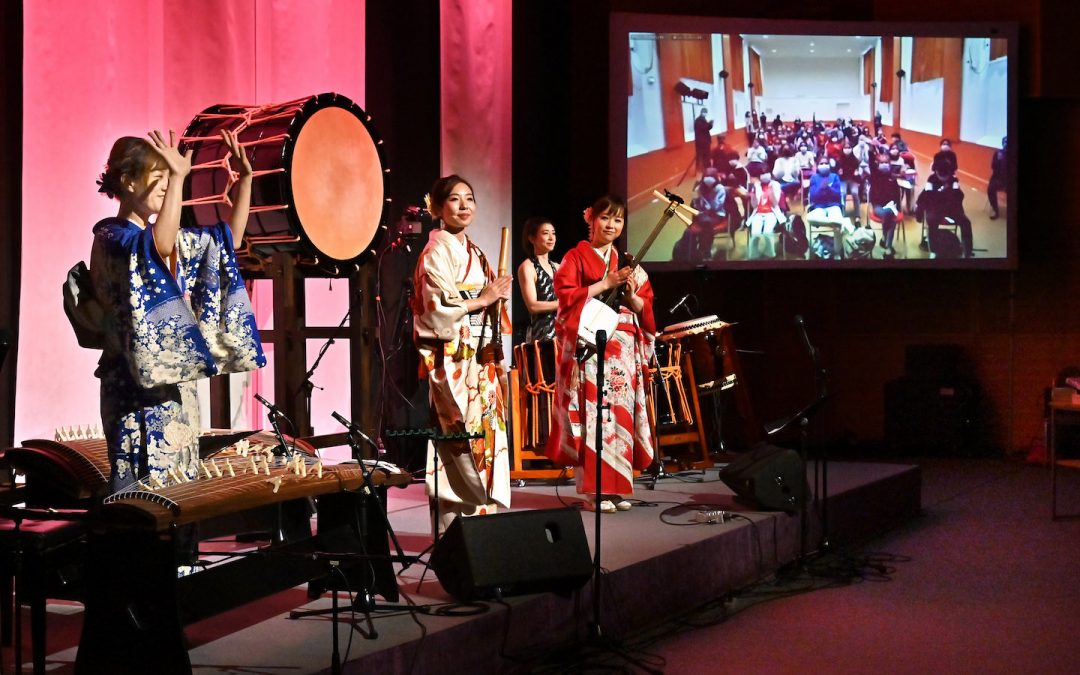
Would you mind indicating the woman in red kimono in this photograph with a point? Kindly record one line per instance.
(589, 270)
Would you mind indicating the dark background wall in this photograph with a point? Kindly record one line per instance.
(10, 203)
(1016, 328)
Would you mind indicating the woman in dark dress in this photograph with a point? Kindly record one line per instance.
(537, 354)
(534, 278)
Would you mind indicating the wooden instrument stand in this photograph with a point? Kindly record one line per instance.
(523, 459)
(689, 433)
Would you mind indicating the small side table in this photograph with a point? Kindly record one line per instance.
(1063, 413)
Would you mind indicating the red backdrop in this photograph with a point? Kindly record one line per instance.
(97, 71)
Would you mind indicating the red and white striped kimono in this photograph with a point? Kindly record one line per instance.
(627, 435)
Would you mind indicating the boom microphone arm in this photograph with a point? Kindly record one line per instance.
(820, 379)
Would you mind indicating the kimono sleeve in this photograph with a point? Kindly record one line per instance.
(219, 299)
(439, 306)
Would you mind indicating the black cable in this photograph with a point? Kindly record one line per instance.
(423, 630)
(560, 479)
(872, 566)
(352, 613)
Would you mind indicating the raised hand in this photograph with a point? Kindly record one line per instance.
(236, 152)
(179, 165)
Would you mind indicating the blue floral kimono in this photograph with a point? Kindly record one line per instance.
(162, 332)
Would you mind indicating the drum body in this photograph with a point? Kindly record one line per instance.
(703, 339)
(319, 177)
(657, 392)
(707, 354)
(718, 378)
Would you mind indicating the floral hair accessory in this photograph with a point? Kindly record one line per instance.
(430, 208)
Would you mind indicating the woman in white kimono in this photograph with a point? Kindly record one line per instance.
(456, 292)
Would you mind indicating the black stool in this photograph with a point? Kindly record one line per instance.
(39, 559)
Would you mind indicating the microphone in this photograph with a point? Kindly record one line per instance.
(801, 325)
(356, 430)
(269, 406)
(273, 414)
(680, 303)
(819, 372)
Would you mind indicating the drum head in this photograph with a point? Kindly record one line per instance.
(337, 183)
(692, 323)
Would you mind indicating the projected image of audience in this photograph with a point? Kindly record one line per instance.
(865, 150)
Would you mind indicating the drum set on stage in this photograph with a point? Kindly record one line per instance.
(696, 385)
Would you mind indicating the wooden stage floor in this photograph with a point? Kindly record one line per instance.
(658, 562)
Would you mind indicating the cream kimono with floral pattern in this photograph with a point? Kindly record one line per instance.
(473, 477)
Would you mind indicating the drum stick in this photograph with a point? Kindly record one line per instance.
(504, 255)
(504, 251)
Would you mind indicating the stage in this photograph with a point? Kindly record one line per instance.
(659, 562)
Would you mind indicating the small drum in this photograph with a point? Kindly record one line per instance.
(703, 339)
(318, 185)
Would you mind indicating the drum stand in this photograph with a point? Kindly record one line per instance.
(693, 433)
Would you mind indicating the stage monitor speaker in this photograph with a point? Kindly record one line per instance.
(513, 553)
(770, 477)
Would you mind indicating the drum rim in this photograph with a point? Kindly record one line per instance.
(691, 323)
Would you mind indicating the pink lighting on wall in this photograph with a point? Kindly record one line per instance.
(476, 59)
(97, 71)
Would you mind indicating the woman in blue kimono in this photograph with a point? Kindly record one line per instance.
(175, 308)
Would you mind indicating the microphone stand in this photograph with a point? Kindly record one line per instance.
(821, 385)
(802, 417)
(601, 346)
(365, 602)
(272, 415)
(306, 386)
(595, 632)
(802, 420)
(369, 486)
